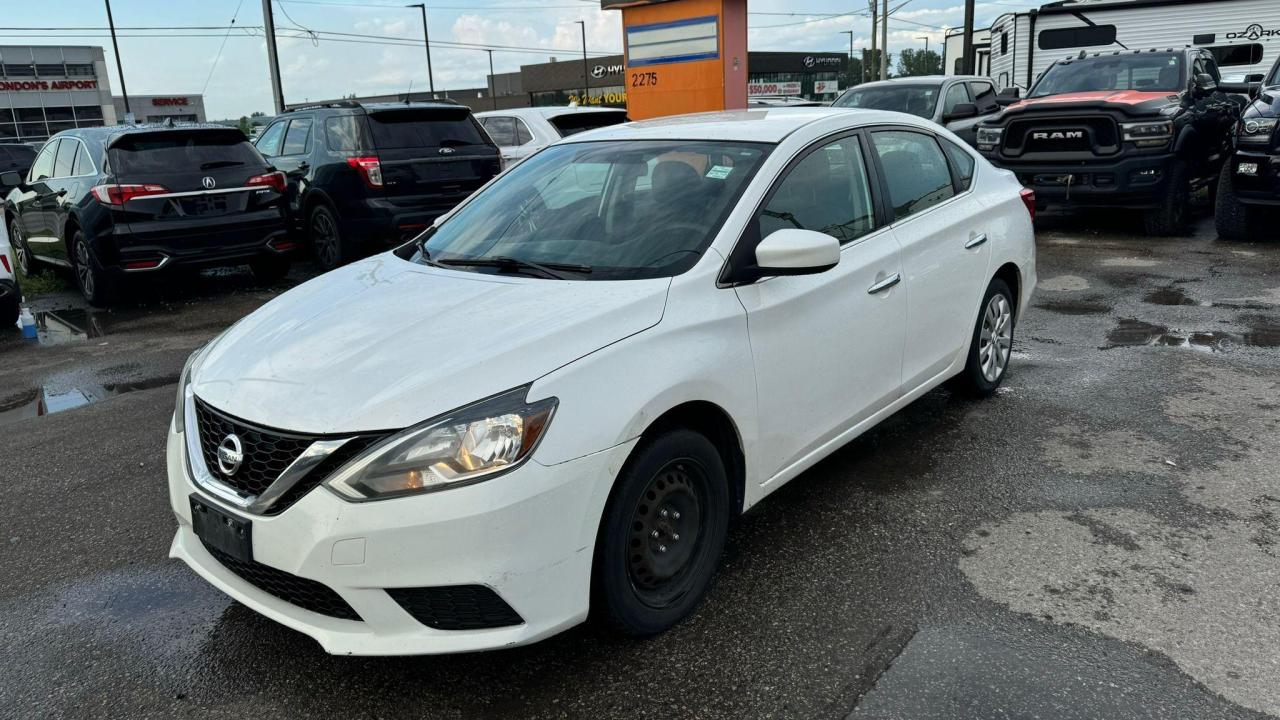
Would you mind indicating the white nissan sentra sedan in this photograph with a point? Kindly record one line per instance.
(556, 399)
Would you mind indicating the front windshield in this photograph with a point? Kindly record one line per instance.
(919, 100)
(1145, 72)
(598, 211)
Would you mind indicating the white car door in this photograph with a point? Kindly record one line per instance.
(938, 226)
(827, 347)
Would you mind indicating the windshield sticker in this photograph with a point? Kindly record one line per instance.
(719, 172)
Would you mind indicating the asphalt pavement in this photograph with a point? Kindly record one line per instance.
(1099, 540)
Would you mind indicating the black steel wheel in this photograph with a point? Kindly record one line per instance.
(662, 534)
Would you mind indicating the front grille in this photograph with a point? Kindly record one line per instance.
(306, 594)
(1098, 135)
(456, 607)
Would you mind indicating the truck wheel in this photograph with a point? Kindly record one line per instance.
(1170, 218)
(1232, 217)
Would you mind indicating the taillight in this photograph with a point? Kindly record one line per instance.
(370, 169)
(118, 195)
(4, 260)
(1029, 199)
(272, 180)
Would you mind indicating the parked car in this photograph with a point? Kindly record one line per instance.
(520, 132)
(10, 292)
(957, 102)
(1139, 130)
(17, 157)
(550, 403)
(366, 176)
(115, 202)
(1250, 180)
(781, 101)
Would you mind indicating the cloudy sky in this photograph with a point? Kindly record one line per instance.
(326, 50)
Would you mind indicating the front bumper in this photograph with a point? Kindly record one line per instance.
(528, 535)
(1261, 187)
(1134, 182)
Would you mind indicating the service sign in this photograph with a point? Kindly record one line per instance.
(774, 88)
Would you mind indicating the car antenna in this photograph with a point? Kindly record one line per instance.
(408, 94)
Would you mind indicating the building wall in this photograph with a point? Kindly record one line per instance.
(157, 108)
(47, 89)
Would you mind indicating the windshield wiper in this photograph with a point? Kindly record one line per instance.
(502, 262)
(219, 164)
(783, 216)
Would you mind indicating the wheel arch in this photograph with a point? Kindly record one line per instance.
(1012, 276)
(713, 422)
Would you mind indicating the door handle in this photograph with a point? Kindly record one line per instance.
(975, 242)
(885, 284)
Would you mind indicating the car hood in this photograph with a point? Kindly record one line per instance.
(1129, 102)
(385, 343)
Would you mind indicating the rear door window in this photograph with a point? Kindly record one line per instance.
(915, 171)
(295, 139)
(424, 127)
(501, 129)
(66, 158)
(574, 123)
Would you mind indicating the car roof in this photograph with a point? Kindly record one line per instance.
(918, 80)
(765, 124)
(549, 111)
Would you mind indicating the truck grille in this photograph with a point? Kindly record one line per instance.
(1086, 136)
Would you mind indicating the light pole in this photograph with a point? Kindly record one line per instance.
(119, 65)
(850, 34)
(586, 75)
(870, 74)
(966, 53)
(884, 41)
(426, 40)
(925, 38)
(493, 100)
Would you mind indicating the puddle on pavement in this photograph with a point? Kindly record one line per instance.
(49, 399)
(1169, 296)
(1262, 332)
(1075, 307)
(58, 327)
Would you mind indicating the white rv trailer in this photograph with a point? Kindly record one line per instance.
(953, 50)
(1244, 35)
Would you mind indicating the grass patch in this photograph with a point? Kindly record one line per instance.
(42, 282)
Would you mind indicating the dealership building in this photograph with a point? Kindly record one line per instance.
(814, 76)
(159, 108)
(45, 89)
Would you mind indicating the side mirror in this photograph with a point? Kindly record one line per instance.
(10, 179)
(797, 252)
(1011, 92)
(960, 112)
(1205, 84)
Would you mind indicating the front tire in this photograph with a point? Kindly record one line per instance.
(1234, 220)
(662, 533)
(991, 344)
(327, 243)
(1170, 217)
(97, 286)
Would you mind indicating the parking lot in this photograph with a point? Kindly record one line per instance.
(1098, 540)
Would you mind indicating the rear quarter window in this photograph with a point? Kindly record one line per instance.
(417, 127)
(346, 133)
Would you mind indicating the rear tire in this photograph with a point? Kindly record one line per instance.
(96, 285)
(270, 268)
(21, 252)
(662, 533)
(1170, 218)
(327, 244)
(991, 345)
(1233, 219)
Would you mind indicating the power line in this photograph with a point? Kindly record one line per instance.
(221, 47)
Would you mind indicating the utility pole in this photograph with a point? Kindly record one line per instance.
(426, 40)
(586, 75)
(850, 34)
(966, 54)
(493, 100)
(115, 46)
(925, 38)
(871, 74)
(884, 41)
(273, 59)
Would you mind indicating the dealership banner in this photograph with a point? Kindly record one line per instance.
(824, 87)
(774, 88)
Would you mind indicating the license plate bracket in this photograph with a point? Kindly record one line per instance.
(221, 531)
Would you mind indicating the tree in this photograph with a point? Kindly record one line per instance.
(244, 126)
(919, 62)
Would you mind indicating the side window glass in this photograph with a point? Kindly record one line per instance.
(344, 133)
(83, 164)
(502, 130)
(43, 166)
(66, 158)
(984, 96)
(915, 170)
(961, 161)
(1211, 67)
(956, 95)
(522, 132)
(269, 142)
(295, 140)
(827, 192)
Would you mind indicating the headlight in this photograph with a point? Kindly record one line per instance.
(1147, 134)
(1256, 130)
(989, 137)
(465, 446)
(184, 380)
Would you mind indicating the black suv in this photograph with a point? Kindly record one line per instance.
(1139, 130)
(111, 202)
(17, 157)
(366, 176)
(1250, 180)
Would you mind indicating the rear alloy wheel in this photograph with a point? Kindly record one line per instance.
(1169, 218)
(21, 253)
(95, 285)
(991, 345)
(662, 534)
(326, 239)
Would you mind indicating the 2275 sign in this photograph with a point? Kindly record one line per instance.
(644, 79)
